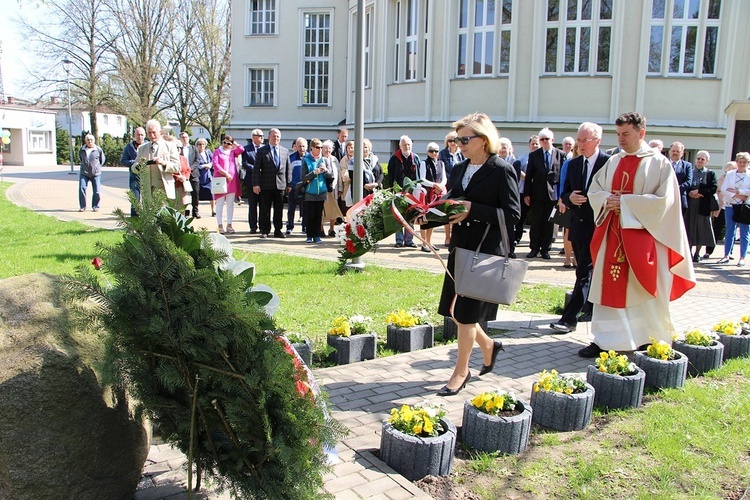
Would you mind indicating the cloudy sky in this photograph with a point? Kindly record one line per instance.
(14, 72)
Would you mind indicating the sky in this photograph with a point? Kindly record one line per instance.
(14, 70)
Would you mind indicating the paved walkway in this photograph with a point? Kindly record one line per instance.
(361, 395)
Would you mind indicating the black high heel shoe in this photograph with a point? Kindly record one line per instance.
(496, 348)
(445, 391)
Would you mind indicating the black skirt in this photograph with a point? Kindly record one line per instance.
(465, 310)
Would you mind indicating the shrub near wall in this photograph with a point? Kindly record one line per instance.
(112, 147)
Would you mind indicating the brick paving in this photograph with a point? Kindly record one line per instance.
(361, 395)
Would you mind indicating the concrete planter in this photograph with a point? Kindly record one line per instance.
(662, 374)
(735, 346)
(701, 358)
(563, 412)
(410, 339)
(305, 351)
(490, 433)
(416, 457)
(450, 330)
(352, 349)
(616, 391)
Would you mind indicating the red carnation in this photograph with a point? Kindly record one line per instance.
(348, 228)
(97, 263)
(361, 231)
(350, 246)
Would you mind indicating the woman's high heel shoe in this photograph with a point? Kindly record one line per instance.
(496, 348)
(445, 391)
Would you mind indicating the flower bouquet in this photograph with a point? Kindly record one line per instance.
(418, 440)
(409, 331)
(561, 402)
(384, 212)
(703, 351)
(496, 421)
(735, 337)
(618, 383)
(664, 367)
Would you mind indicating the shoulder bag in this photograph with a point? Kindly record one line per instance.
(741, 213)
(490, 278)
(219, 185)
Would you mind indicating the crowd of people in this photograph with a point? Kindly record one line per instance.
(634, 219)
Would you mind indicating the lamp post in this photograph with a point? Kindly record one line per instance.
(67, 63)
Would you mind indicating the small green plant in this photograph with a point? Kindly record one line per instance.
(698, 337)
(658, 349)
(495, 401)
(406, 319)
(295, 338)
(615, 364)
(422, 419)
(554, 382)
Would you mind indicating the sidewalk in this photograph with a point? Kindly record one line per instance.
(361, 395)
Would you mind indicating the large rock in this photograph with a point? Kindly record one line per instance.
(63, 434)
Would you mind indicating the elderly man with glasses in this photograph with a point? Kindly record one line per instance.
(542, 177)
(248, 162)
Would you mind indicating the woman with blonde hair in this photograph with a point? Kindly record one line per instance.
(482, 183)
(736, 190)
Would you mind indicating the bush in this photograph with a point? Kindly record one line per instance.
(112, 147)
(62, 143)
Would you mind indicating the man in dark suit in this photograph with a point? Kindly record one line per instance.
(683, 170)
(581, 170)
(272, 178)
(542, 177)
(339, 145)
(520, 166)
(248, 162)
(191, 153)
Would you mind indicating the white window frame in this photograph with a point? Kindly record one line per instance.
(40, 141)
(668, 25)
(410, 40)
(562, 26)
(323, 57)
(267, 17)
(493, 25)
(274, 79)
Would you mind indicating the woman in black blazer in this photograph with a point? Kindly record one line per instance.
(483, 182)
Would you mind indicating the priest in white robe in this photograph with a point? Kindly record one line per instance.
(640, 250)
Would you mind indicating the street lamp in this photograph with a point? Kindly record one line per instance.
(67, 63)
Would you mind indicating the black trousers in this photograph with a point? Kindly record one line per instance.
(579, 298)
(271, 198)
(314, 215)
(252, 213)
(195, 194)
(524, 214)
(540, 233)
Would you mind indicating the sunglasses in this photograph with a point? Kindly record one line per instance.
(227, 143)
(433, 151)
(464, 140)
(544, 138)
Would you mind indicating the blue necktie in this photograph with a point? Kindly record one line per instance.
(275, 157)
(547, 159)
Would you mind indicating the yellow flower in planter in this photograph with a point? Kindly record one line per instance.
(615, 364)
(341, 327)
(659, 350)
(727, 327)
(422, 419)
(406, 319)
(554, 382)
(493, 402)
(698, 337)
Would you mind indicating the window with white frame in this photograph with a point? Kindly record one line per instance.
(316, 58)
(261, 17)
(484, 35)
(579, 36)
(40, 141)
(684, 37)
(261, 86)
(106, 120)
(410, 27)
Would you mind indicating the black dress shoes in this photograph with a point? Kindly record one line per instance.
(496, 348)
(584, 317)
(532, 254)
(590, 351)
(546, 256)
(445, 391)
(279, 234)
(561, 328)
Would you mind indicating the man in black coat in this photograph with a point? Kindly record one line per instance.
(683, 170)
(581, 170)
(339, 145)
(191, 153)
(542, 177)
(248, 162)
(272, 178)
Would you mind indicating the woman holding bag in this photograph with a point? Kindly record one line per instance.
(225, 165)
(316, 174)
(735, 190)
(482, 183)
(698, 215)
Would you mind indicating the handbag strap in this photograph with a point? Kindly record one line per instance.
(503, 234)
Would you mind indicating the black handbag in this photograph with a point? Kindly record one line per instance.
(299, 190)
(490, 278)
(741, 213)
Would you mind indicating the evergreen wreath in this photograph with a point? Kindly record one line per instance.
(193, 343)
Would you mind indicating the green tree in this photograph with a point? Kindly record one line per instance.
(199, 352)
(112, 147)
(62, 144)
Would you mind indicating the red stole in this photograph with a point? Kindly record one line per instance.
(626, 249)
